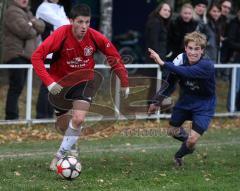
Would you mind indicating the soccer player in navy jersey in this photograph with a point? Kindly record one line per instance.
(197, 100)
(74, 46)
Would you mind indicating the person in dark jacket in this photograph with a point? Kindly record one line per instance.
(226, 6)
(179, 27)
(225, 52)
(157, 28)
(234, 45)
(197, 99)
(213, 15)
(199, 15)
(156, 32)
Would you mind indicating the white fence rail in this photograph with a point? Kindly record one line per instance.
(28, 116)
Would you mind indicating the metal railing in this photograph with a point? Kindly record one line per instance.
(28, 116)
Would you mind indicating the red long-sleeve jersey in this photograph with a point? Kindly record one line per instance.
(76, 55)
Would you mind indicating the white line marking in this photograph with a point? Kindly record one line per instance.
(130, 148)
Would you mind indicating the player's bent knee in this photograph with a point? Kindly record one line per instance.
(62, 122)
(191, 142)
(78, 120)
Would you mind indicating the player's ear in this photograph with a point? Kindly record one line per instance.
(202, 51)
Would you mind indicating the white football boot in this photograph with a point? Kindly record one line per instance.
(53, 164)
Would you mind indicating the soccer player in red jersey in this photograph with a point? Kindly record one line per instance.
(74, 46)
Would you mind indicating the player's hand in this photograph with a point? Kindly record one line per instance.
(54, 88)
(152, 109)
(124, 91)
(155, 57)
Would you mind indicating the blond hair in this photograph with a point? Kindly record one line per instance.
(186, 6)
(199, 38)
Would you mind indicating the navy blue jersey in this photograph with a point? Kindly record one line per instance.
(196, 80)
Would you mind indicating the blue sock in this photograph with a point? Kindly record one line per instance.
(184, 150)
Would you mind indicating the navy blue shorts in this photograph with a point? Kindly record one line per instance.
(199, 111)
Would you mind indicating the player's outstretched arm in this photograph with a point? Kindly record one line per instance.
(155, 57)
(167, 85)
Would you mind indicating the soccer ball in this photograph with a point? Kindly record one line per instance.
(68, 167)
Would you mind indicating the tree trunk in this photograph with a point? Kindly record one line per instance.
(106, 8)
(171, 3)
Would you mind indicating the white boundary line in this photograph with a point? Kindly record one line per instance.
(130, 148)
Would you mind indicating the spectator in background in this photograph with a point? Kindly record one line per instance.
(19, 41)
(199, 15)
(200, 7)
(156, 38)
(226, 6)
(53, 16)
(157, 28)
(213, 15)
(233, 39)
(179, 27)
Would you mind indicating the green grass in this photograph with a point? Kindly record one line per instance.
(127, 163)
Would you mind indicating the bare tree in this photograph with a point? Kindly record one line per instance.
(106, 8)
(171, 3)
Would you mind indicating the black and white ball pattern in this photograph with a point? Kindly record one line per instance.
(68, 167)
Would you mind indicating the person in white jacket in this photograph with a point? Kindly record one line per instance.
(54, 16)
(52, 13)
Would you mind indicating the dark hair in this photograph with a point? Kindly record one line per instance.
(197, 2)
(213, 4)
(155, 12)
(80, 10)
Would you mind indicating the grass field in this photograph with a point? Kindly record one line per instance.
(121, 162)
(124, 162)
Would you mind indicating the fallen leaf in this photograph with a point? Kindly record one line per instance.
(17, 173)
(163, 174)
